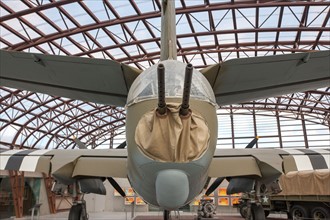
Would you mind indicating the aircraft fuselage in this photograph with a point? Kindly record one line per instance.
(162, 177)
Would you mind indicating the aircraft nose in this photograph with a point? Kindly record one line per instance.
(172, 189)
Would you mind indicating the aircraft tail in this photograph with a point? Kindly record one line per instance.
(168, 31)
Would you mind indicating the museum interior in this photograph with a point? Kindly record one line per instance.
(208, 32)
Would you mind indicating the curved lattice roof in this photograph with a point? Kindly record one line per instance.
(208, 32)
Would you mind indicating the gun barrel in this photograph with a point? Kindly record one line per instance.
(161, 89)
(184, 110)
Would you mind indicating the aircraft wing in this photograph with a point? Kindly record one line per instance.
(67, 164)
(95, 80)
(248, 79)
(266, 163)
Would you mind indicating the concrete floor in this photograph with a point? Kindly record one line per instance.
(143, 216)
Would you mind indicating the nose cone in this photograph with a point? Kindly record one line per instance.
(172, 189)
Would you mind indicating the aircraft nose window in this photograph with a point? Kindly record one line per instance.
(146, 87)
(176, 91)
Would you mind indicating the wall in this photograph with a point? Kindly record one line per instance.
(111, 203)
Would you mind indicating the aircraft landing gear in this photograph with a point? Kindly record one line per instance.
(252, 208)
(206, 209)
(78, 210)
(252, 211)
(166, 215)
(257, 211)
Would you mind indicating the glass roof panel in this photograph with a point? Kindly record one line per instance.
(123, 8)
(194, 3)
(139, 30)
(245, 18)
(325, 36)
(104, 39)
(219, 1)
(58, 18)
(9, 36)
(15, 5)
(226, 38)
(182, 26)
(288, 36)
(268, 17)
(99, 9)
(292, 16)
(154, 24)
(151, 47)
(317, 15)
(266, 36)
(187, 41)
(206, 40)
(39, 23)
(246, 37)
(146, 6)
(16, 25)
(3, 12)
(79, 14)
(200, 21)
(223, 20)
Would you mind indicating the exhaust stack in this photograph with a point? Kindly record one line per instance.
(161, 89)
(184, 110)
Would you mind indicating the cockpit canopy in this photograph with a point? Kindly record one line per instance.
(145, 86)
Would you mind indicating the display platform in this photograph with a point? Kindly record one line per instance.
(185, 217)
(141, 216)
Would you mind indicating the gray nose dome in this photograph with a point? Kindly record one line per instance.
(172, 189)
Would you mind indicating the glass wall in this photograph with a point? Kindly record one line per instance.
(276, 130)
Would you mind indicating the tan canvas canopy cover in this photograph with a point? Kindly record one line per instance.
(315, 182)
(170, 137)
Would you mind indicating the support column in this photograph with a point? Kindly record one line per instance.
(279, 132)
(232, 128)
(304, 130)
(255, 124)
(50, 195)
(17, 186)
